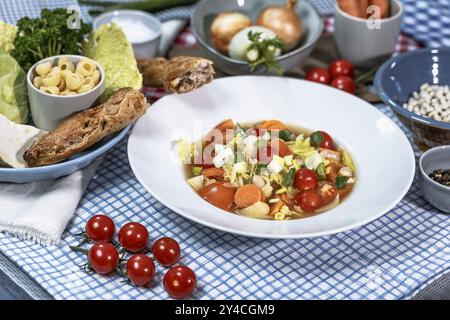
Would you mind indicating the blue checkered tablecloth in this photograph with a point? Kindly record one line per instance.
(391, 258)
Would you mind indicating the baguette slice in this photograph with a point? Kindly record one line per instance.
(184, 74)
(85, 128)
(179, 74)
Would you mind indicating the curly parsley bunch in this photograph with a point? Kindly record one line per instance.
(55, 32)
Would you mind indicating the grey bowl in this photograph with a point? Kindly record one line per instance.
(435, 193)
(206, 10)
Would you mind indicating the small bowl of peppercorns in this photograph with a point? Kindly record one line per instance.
(434, 168)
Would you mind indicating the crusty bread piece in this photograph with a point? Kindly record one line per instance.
(179, 74)
(85, 128)
(152, 71)
(184, 74)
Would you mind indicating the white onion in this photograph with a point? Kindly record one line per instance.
(239, 44)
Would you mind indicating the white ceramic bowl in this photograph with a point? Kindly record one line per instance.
(383, 155)
(144, 49)
(49, 110)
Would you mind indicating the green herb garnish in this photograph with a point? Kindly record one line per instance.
(285, 135)
(341, 181)
(264, 52)
(196, 171)
(55, 32)
(321, 171)
(288, 179)
(316, 138)
(259, 167)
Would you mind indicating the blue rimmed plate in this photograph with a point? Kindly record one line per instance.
(77, 162)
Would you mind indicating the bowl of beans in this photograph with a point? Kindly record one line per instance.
(416, 85)
(434, 167)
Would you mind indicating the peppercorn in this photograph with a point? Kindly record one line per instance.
(441, 176)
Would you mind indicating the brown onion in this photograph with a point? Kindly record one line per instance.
(225, 26)
(283, 20)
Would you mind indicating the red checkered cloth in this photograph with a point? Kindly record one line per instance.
(186, 39)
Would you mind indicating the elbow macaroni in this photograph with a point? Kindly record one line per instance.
(65, 78)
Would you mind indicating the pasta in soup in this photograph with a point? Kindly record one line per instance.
(66, 78)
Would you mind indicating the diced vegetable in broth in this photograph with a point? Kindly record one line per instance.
(269, 170)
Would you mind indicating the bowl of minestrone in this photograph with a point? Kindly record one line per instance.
(271, 157)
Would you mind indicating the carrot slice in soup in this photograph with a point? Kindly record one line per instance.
(285, 198)
(276, 207)
(227, 124)
(220, 131)
(247, 195)
(282, 147)
(273, 125)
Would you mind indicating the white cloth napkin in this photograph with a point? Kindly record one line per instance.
(41, 211)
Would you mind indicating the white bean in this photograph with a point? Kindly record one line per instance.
(431, 101)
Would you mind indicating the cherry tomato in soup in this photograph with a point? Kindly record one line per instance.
(219, 195)
(328, 193)
(322, 139)
(133, 236)
(100, 228)
(103, 258)
(180, 282)
(341, 68)
(305, 179)
(166, 251)
(140, 269)
(319, 75)
(344, 83)
(309, 201)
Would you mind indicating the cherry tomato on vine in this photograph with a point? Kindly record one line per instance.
(140, 269)
(341, 68)
(100, 228)
(344, 83)
(179, 282)
(305, 179)
(309, 201)
(322, 139)
(319, 75)
(133, 236)
(103, 258)
(166, 251)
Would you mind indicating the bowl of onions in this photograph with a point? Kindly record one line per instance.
(259, 36)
